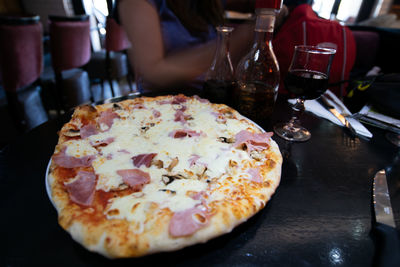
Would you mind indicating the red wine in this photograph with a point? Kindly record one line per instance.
(219, 91)
(306, 84)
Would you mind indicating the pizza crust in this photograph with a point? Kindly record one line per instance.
(230, 201)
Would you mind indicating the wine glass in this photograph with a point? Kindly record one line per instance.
(307, 78)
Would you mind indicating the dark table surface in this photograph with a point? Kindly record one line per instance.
(321, 214)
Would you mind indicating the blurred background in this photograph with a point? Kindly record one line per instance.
(380, 17)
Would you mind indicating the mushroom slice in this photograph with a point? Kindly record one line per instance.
(116, 107)
(172, 192)
(72, 132)
(173, 163)
(228, 140)
(167, 179)
(158, 163)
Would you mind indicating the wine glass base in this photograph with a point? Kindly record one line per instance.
(393, 138)
(300, 134)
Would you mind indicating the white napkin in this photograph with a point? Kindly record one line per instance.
(316, 108)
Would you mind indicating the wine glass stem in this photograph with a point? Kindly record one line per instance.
(297, 110)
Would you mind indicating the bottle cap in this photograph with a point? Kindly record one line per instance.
(272, 4)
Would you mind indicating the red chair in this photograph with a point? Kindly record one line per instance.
(21, 63)
(70, 50)
(112, 62)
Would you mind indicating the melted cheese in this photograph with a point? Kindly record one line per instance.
(79, 148)
(140, 132)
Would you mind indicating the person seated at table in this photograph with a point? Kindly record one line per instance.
(174, 41)
(302, 26)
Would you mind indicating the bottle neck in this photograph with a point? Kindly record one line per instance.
(265, 22)
(222, 44)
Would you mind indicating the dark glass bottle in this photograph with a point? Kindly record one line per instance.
(257, 73)
(219, 79)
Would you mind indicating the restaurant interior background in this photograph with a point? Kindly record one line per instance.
(377, 16)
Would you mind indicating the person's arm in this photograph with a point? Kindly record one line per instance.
(141, 22)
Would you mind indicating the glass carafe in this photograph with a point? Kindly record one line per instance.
(219, 79)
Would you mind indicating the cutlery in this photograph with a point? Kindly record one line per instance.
(324, 101)
(376, 123)
(388, 246)
(343, 109)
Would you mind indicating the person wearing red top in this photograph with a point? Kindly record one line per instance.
(303, 27)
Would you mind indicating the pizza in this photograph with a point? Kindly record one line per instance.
(147, 175)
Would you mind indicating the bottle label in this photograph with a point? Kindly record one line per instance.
(265, 23)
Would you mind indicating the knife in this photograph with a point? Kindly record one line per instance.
(387, 245)
(324, 101)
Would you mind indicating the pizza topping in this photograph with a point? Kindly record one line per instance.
(116, 107)
(167, 179)
(219, 117)
(181, 117)
(102, 142)
(143, 159)
(138, 106)
(187, 222)
(168, 191)
(252, 141)
(107, 118)
(179, 99)
(156, 113)
(158, 163)
(193, 159)
(226, 140)
(81, 189)
(173, 163)
(201, 100)
(63, 160)
(88, 130)
(255, 175)
(72, 133)
(135, 178)
(184, 133)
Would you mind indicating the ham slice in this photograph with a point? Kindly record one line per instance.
(88, 130)
(201, 100)
(107, 117)
(135, 178)
(219, 117)
(252, 141)
(193, 159)
(156, 113)
(175, 101)
(178, 100)
(81, 190)
(187, 222)
(104, 142)
(143, 159)
(255, 175)
(183, 133)
(63, 160)
(181, 117)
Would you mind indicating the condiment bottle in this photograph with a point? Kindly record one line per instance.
(257, 73)
(219, 79)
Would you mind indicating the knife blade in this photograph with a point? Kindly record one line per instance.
(324, 101)
(387, 242)
(382, 206)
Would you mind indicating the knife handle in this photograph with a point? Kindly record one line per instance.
(387, 246)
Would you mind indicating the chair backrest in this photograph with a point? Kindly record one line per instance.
(367, 43)
(69, 41)
(116, 38)
(21, 51)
